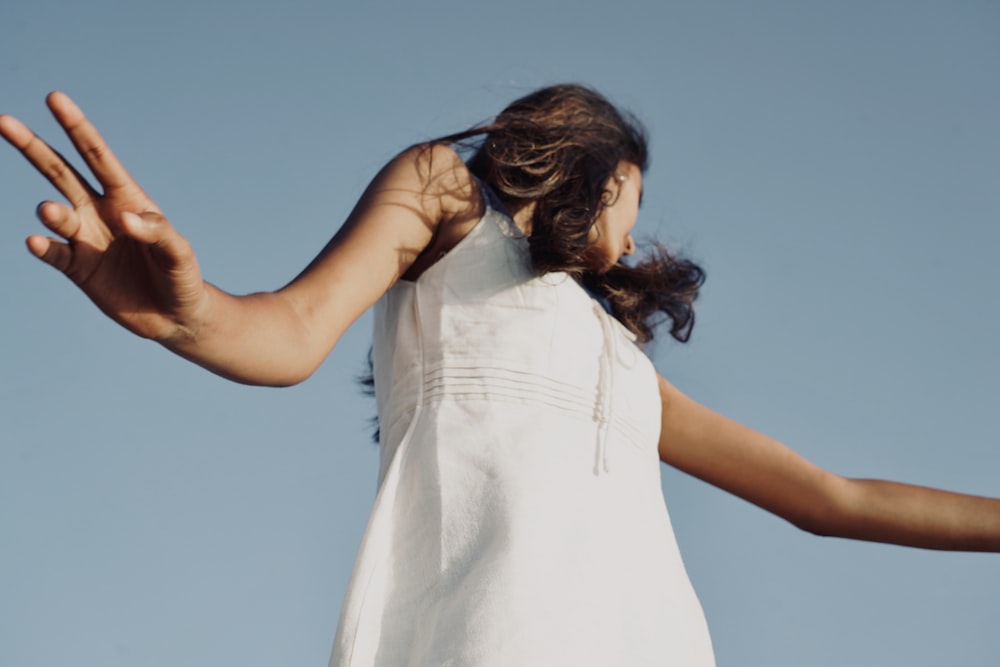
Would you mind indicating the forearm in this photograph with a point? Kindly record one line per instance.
(915, 516)
(257, 339)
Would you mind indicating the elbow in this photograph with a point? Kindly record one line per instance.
(819, 527)
(290, 380)
(291, 376)
(265, 377)
(284, 383)
(828, 511)
(816, 521)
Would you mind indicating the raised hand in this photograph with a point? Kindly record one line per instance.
(114, 243)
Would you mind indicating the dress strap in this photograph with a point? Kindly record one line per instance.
(492, 201)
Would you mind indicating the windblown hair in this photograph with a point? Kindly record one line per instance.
(557, 148)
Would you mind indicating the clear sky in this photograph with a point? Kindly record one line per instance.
(834, 166)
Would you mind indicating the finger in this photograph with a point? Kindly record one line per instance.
(48, 162)
(53, 252)
(95, 152)
(59, 218)
(153, 229)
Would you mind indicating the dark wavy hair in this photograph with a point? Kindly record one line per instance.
(557, 148)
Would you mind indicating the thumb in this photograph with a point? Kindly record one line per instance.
(153, 229)
(147, 227)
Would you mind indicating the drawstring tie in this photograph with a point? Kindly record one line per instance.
(604, 405)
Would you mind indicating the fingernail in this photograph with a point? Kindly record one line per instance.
(40, 207)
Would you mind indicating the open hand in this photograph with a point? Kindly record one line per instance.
(114, 243)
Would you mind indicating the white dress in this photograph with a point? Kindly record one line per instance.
(519, 519)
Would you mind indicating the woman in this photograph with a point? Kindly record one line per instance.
(519, 518)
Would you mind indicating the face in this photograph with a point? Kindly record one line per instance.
(611, 235)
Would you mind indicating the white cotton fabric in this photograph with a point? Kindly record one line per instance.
(519, 519)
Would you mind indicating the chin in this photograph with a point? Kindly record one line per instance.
(599, 262)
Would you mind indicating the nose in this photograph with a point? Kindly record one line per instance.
(629, 245)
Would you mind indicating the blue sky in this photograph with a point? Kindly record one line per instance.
(834, 166)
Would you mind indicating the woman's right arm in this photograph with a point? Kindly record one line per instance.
(117, 246)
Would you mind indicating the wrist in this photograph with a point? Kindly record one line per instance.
(193, 324)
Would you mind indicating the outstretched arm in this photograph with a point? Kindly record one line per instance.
(117, 246)
(761, 470)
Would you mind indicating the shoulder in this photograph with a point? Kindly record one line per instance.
(439, 177)
(451, 200)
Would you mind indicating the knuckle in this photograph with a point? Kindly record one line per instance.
(94, 153)
(56, 168)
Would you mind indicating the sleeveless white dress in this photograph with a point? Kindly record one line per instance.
(519, 519)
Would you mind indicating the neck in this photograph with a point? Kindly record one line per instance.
(522, 214)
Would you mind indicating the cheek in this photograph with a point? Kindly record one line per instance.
(621, 230)
(593, 235)
(631, 225)
(633, 217)
(601, 230)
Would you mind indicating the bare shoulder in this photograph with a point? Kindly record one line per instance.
(433, 176)
(450, 179)
(452, 198)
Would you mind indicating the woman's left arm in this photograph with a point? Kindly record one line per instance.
(763, 471)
